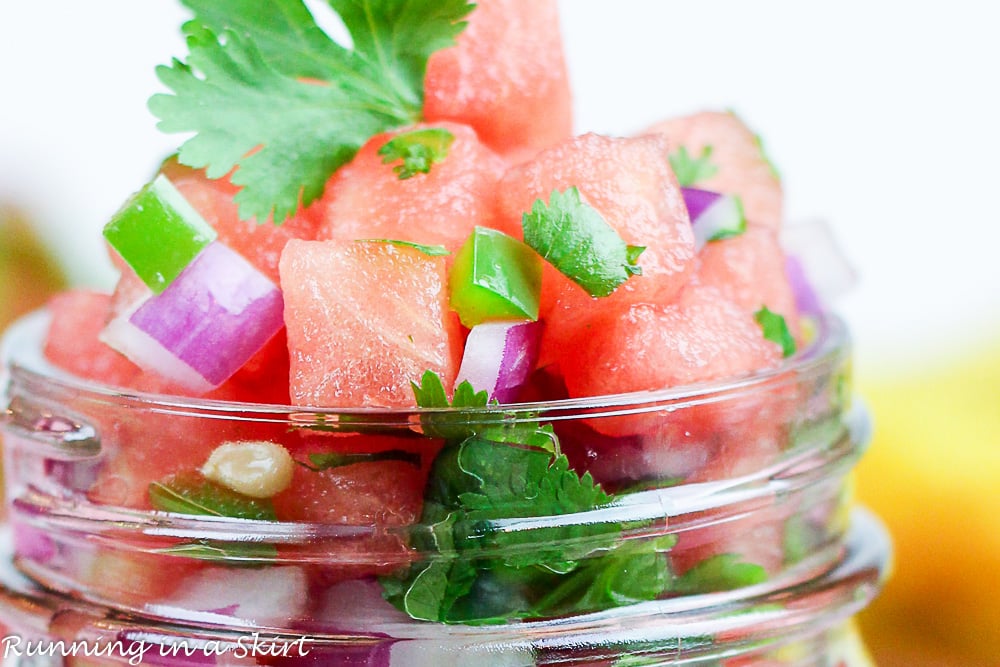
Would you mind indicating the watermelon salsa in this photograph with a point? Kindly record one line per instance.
(427, 267)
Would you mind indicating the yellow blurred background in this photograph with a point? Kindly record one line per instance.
(881, 116)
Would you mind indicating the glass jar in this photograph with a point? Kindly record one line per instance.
(566, 523)
(802, 625)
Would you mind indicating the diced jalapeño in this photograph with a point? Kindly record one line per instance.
(495, 277)
(157, 232)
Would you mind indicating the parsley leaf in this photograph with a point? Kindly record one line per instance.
(418, 149)
(574, 237)
(269, 94)
(776, 330)
(692, 170)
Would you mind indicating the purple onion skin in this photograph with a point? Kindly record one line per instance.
(520, 353)
(698, 200)
(213, 325)
(806, 300)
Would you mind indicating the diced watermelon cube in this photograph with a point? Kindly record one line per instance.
(72, 343)
(367, 200)
(749, 270)
(364, 320)
(742, 167)
(506, 77)
(700, 337)
(628, 181)
(260, 243)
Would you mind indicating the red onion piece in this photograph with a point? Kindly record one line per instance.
(208, 322)
(698, 200)
(713, 216)
(824, 266)
(499, 357)
(806, 300)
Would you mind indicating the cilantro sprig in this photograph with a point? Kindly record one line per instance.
(270, 95)
(490, 564)
(573, 236)
(776, 330)
(417, 150)
(691, 170)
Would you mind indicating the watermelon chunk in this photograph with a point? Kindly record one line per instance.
(363, 321)
(506, 77)
(699, 338)
(260, 243)
(749, 270)
(742, 167)
(367, 200)
(72, 342)
(628, 181)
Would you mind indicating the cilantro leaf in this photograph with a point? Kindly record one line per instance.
(430, 250)
(193, 493)
(418, 150)
(574, 237)
(721, 572)
(268, 94)
(489, 571)
(692, 170)
(327, 460)
(776, 330)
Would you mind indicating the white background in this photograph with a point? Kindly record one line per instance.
(882, 116)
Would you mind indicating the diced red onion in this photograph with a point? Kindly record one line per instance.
(713, 215)
(499, 357)
(824, 267)
(33, 543)
(262, 596)
(806, 300)
(205, 325)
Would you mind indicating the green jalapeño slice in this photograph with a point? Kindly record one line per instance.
(158, 233)
(495, 277)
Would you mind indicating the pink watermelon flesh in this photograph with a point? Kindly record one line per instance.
(743, 169)
(749, 270)
(260, 243)
(506, 77)
(364, 320)
(699, 338)
(367, 200)
(78, 316)
(629, 181)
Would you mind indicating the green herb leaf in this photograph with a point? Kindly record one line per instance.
(418, 149)
(721, 572)
(192, 493)
(776, 330)
(231, 553)
(268, 93)
(489, 572)
(327, 460)
(692, 170)
(431, 250)
(573, 237)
